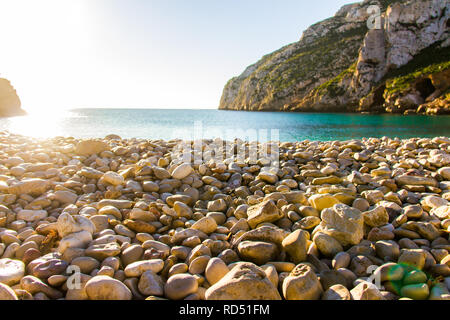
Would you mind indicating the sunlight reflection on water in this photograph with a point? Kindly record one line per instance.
(38, 125)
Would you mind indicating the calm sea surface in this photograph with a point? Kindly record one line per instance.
(169, 124)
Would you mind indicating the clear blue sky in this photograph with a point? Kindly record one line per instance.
(142, 53)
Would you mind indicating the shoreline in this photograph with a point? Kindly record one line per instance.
(128, 219)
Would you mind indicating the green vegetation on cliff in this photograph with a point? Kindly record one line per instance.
(431, 60)
(332, 87)
(403, 83)
(304, 66)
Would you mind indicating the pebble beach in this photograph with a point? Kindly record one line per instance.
(125, 219)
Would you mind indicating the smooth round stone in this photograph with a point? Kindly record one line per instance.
(182, 209)
(124, 231)
(268, 177)
(387, 250)
(77, 292)
(100, 222)
(32, 215)
(103, 251)
(142, 237)
(302, 284)
(30, 255)
(50, 268)
(178, 268)
(406, 243)
(181, 252)
(341, 260)
(348, 274)
(361, 204)
(180, 286)
(413, 211)
(337, 292)
(75, 240)
(366, 291)
(57, 280)
(215, 270)
(132, 254)
(34, 285)
(107, 288)
(442, 212)
(105, 271)
(257, 251)
(40, 296)
(207, 224)
(157, 245)
(112, 211)
(295, 245)
(182, 171)
(390, 272)
(112, 262)
(308, 211)
(65, 197)
(11, 271)
(360, 264)
(72, 253)
(271, 273)
(439, 292)
(445, 172)
(323, 201)
(6, 293)
(8, 238)
(434, 202)
(219, 217)
(86, 264)
(377, 234)
(244, 281)
(24, 247)
(308, 223)
(414, 258)
(150, 186)
(282, 266)
(150, 284)
(10, 250)
(415, 291)
(113, 178)
(377, 217)
(218, 205)
(415, 277)
(329, 278)
(198, 265)
(327, 245)
(132, 284)
(136, 269)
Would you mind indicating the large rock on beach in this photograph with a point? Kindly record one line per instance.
(245, 281)
(344, 223)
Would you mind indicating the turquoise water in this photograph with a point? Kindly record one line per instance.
(168, 124)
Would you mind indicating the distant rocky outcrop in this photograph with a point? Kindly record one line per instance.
(400, 66)
(10, 104)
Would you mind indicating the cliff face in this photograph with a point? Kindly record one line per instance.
(10, 104)
(341, 65)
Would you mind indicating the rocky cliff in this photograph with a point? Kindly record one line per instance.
(400, 64)
(10, 104)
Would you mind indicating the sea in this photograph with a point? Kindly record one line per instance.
(188, 124)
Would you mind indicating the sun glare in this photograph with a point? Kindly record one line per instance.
(47, 41)
(43, 124)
